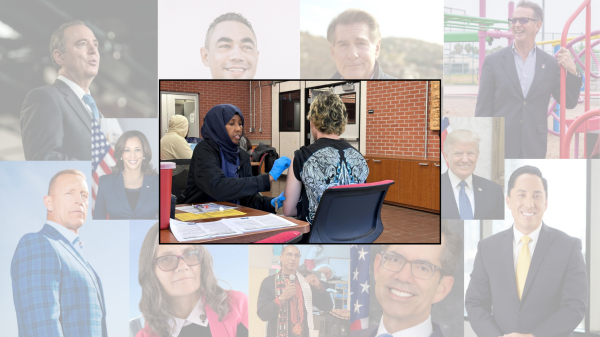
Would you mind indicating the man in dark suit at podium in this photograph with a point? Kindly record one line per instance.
(465, 195)
(529, 280)
(409, 279)
(56, 120)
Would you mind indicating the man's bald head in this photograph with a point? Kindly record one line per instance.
(63, 172)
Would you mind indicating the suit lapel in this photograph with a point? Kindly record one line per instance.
(477, 196)
(510, 69)
(508, 262)
(75, 103)
(69, 247)
(119, 188)
(540, 69)
(147, 188)
(448, 199)
(544, 242)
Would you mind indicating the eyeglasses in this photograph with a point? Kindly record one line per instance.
(523, 21)
(170, 262)
(290, 255)
(419, 269)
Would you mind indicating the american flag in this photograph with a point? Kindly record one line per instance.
(446, 129)
(102, 157)
(360, 261)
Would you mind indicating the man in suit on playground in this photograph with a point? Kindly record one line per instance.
(409, 279)
(55, 290)
(56, 120)
(531, 275)
(465, 195)
(516, 83)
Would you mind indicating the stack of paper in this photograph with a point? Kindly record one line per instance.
(187, 231)
(209, 215)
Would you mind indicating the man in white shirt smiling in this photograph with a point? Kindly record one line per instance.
(532, 275)
(409, 279)
(56, 120)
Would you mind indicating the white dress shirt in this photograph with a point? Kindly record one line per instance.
(193, 318)
(518, 244)
(455, 181)
(424, 329)
(70, 236)
(78, 91)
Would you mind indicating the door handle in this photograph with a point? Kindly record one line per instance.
(377, 161)
(437, 165)
(423, 164)
(366, 159)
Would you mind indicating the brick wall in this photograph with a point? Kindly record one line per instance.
(266, 115)
(228, 92)
(397, 125)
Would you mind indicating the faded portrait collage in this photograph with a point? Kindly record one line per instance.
(300, 168)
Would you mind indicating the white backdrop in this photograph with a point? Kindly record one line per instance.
(182, 26)
(482, 127)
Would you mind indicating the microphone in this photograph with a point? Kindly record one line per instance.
(292, 278)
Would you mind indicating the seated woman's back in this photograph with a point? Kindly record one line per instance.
(323, 164)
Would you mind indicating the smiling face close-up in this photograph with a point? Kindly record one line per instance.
(133, 154)
(525, 33)
(405, 299)
(184, 280)
(80, 59)
(462, 159)
(234, 128)
(353, 52)
(232, 52)
(527, 202)
(68, 201)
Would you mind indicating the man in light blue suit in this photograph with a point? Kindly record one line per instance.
(55, 290)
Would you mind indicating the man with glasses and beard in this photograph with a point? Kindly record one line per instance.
(286, 299)
(517, 81)
(409, 279)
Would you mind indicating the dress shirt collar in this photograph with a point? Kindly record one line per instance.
(70, 236)
(518, 235)
(454, 180)
(74, 86)
(193, 318)
(531, 52)
(424, 329)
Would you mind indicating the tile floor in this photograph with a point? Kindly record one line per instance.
(400, 225)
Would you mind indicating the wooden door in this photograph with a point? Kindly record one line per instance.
(415, 183)
(435, 186)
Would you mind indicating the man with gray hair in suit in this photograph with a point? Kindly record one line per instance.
(56, 120)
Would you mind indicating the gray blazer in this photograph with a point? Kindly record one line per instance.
(55, 125)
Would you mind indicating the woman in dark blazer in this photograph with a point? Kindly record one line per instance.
(131, 190)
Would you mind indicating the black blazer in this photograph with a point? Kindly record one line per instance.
(112, 201)
(525, 118)
(207, 182)
(55, 125)
(555, 296)
(489, 199)
(372, 332)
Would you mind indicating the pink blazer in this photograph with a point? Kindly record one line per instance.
(238, 313)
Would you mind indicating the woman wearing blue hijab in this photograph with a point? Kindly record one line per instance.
(219, 171)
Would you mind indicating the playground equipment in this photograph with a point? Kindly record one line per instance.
(480, 28)
(590, 119)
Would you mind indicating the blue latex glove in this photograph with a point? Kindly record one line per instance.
(279, 166)
(279, 200)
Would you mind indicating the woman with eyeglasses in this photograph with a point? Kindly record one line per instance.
(181, 296)
(131, 190)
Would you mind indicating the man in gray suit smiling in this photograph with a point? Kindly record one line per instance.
(56, 119)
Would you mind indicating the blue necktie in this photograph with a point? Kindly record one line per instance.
(464, 204)
(385, 335)
(92, 104)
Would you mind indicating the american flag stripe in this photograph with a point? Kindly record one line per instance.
(102, 157)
